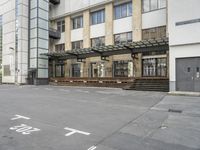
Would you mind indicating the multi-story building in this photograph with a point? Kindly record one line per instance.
(100, 39)
(25, 37)
(86, 25)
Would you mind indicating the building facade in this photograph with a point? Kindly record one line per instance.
(24, 23)
(184, 41)
(106, 22)
(89, 39)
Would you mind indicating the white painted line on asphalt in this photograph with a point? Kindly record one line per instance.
(20, 117)
(48, 89)
(63, 90)
(74, 131)
(83, 91)
(24, 129)
(92, 148)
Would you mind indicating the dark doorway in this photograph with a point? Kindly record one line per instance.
(188, 74)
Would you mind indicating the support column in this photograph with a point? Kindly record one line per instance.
(67, 44)
(68, 33)
(137, 20)
(137, 65)
(54, 68)
(86, 41)
(86, 29)
(109, 37)
(137, 36)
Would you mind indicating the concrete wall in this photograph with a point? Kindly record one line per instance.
(154, 19)
(180, 11)
(185, 38)
(73, 6)
(97, 30)
(7, 10)
(182, 51)
(123, 25)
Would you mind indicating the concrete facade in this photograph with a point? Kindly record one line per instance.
(184, 33)
(26, 37)
(107, 29)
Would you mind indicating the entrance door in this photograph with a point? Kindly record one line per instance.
(197, 76)
(188, 74)
(76, 70)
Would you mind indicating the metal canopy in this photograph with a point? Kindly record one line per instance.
(161, 44)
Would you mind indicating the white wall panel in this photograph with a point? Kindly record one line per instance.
(180, 11)
(77, 34)
(154, 19)
(97, 30)
(61, 40)
(123, 25)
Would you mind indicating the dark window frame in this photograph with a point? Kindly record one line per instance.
(75, 24)
(61, 26)
(150, 9)
(95, 17)
(119, 7)
(60, 47)
(102, 38)
(127, 36)
(76, 43)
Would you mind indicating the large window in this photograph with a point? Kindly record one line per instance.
(150, 5)
(59, 69)
(97, 42)
(123, 68)
(123, 38)
(77, 45)
(61, 26)
(155, 67)
(98, 17)
(77, 22)
(76, 70)
(153, 33)
(124, 10)
(60, 47)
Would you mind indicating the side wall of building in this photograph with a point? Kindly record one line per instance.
(184, 33)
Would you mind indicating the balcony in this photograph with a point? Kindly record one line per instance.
(55, 2)
(54, 34)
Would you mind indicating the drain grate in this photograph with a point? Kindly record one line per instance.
(175, 110)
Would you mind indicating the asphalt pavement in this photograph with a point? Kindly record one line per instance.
(75, 118)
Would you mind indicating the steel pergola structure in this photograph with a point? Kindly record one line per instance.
(161, 44)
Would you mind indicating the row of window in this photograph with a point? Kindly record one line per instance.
(120, 11)
(97, 42)
(151, 67)
(97, 17)
(152, 33)
(150, 5)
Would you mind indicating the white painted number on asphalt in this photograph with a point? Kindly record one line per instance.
(92, 148)
(74, 131)
(20, 117)
(24, 129)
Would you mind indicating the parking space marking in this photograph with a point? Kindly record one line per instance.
(20, 117)
(82, 91)
(24, 129)
(92, 148)
(63, 90)
(49, 89)
(74, 131)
